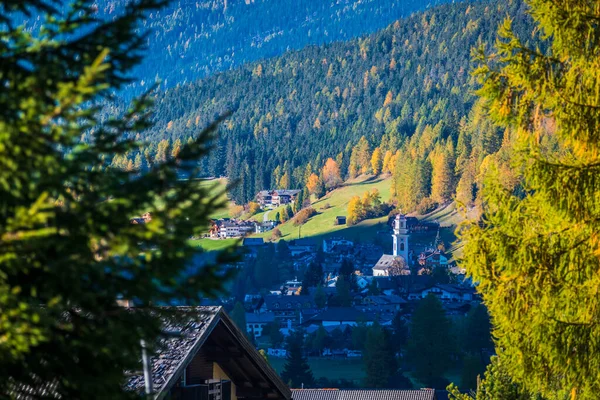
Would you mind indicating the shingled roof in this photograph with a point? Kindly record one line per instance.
(175, 352)
(337, 394)
(200, 329)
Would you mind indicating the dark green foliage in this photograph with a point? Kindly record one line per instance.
(347, 270)
(497, 385)
(194, 38)
(472, 367)
(477, 336)
(373, 288)
(318, 340)
(238, 315)
(320, 297)
(313, 276)
(275, 113)
(296, 371)
(430, 344)
(379, 357)
(274, 334)
(67, 249)
(265, 269)
(400, 332)
(343, 296)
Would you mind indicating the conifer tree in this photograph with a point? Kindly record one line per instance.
(67, 249)
(535, 253)
(376, 161)
(296, 371)
(238, 315)
(430, 345)
(379, 358)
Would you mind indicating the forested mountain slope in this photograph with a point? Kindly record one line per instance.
(190, 39)
(410, 80)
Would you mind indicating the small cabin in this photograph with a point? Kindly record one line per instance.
(340, 220)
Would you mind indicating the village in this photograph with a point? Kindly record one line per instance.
(330, 288)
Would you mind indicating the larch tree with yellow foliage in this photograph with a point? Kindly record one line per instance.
(535, 252)
(376, 161)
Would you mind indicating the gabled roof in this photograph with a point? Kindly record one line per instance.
(193, 331)
(174, 351)
(386, 261)
(337, 394)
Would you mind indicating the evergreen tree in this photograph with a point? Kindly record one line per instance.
(430, 344)
(343, 296)
(274, 333)
(379, 358)
(264, 270)
(313, 276)
(320, 297)
(238, 315)
(477, 330)
(298, 204)
(296, 372)
(67, 250)
(535, 254)
(400, 335)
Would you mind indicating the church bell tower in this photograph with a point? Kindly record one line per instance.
(401, 237)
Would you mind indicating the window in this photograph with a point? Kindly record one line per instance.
(402, 246)
(276, 305)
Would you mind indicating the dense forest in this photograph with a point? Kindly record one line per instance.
(404, 93)
(191, 39)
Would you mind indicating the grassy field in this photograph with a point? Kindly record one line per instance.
(330, 368)
(214, 244)
(336, 204)
(217, 186)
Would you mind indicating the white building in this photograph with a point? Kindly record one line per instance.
(398, 262)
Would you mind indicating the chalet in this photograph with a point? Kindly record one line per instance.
(288, 307)
(208, 357)
(302, 246)
(234, 228)
(363, 394)
(266, 226)
(340, 220)
(255, 323)
(336, 245)
(447, 293)
(433, 259)
(340, 316)
(276, 198)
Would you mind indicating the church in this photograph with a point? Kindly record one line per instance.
(397, 263)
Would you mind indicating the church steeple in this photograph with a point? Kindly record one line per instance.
(401, 237)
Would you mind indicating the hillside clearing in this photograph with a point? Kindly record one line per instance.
(335, 204)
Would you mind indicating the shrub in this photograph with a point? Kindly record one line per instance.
(304, 215)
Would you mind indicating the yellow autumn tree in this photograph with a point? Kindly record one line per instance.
(355, 210)
(331, 174)
(389, 97)
(376, 161)
(386, 166)
(312, 183)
